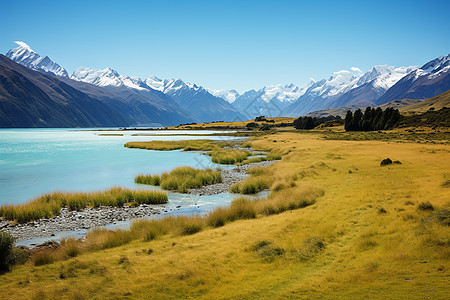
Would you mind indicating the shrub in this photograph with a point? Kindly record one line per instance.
(6, 245)
(386, 162)
(18, 256)
(425, 206)
(381, 210)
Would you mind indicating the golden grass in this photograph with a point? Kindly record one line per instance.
(49, 205)
(228, 157)
(214, 148)
(340, 247)
(187, 145)
(251, 185)
(231, 125)
(181, 179)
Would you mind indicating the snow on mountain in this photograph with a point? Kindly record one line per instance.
(390, 75)
(24, 55)
(345, 88)
(228, 95)
(283, 93)
(156, 83)
(432, 79)
(107, 77)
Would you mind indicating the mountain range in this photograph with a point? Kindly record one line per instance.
(122, 100)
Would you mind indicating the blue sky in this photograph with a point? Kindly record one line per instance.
(229, 44)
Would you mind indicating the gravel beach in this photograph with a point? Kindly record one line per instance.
(89, 218)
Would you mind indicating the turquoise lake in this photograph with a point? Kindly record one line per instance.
(38, 161)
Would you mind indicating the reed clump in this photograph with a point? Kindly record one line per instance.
(251, 185)
(181, 179)
(228, 157)
(49, 205)
(188, 145)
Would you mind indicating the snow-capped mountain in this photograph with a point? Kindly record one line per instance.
(107, 77)
(430, 80)
(156, 83)
(196, 101)
(24, 55)
(228, 95)
(269, 101)
(346, 88)
(372, 85)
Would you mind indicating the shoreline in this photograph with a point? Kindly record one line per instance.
(89, 218)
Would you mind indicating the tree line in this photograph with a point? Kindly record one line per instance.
(371, 119)
(311, 122)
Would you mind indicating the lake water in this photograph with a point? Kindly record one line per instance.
(37, 161)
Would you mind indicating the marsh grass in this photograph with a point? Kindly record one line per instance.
(44, 258)
(181, 179)
(251, 185)
(49, 205)
(70, 247)
(228, 157)
(215, 149)
(188, 145)
(240, 209)
(146, 230)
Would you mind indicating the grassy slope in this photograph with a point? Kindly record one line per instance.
(367, 253)
(404, 105)
(438, 102)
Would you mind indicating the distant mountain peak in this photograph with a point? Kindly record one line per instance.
(107, 77)
(24, 55)
(24, 46)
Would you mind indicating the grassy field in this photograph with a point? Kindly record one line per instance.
(231, 125)
(372, 232)
(216, 149)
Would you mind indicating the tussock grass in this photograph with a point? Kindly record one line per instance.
(251, 185)
(188, 145)
(146, 230)
(228, 157)
(181, 179)
(425, 206)
(214, 148)
(243, 208)
(49, 205)
(44, 258)
(240, 208)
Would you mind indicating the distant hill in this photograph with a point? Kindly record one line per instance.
(436, 103)
(404, 105)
